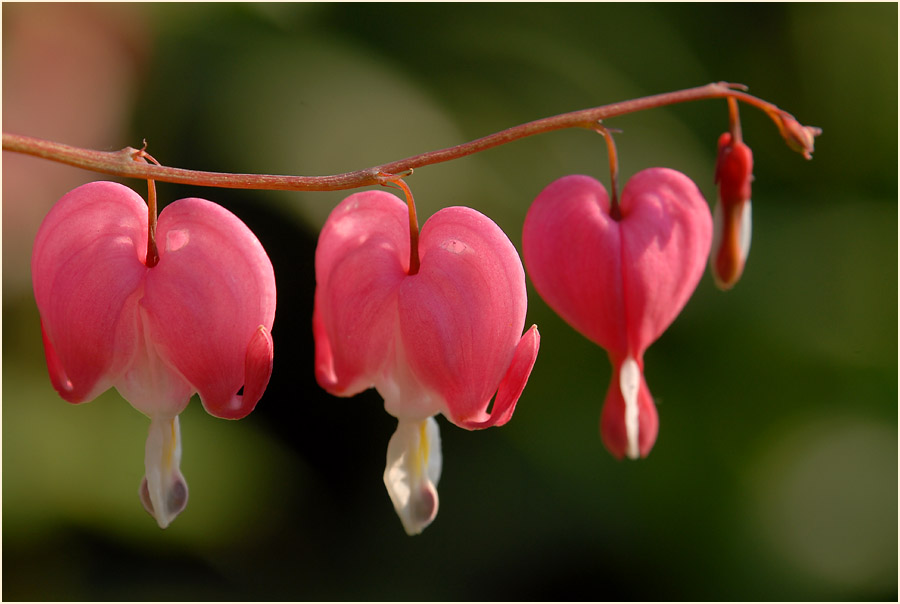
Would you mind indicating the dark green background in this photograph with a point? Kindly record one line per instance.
(775, 473)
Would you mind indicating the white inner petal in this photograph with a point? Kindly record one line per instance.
(412, 472)
(163, 490)
(746, 230)
(629, 383)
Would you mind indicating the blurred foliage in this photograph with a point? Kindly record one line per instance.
(775, 473)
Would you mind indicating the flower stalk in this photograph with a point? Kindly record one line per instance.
(615, 211)
(413, 221)
(152, 251)
(120, 163)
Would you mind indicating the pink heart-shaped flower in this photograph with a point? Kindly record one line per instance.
(620, 282)
(197, 321)
(441, 340)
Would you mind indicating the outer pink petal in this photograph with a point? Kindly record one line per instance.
(361, 258)
(205, 302)
(512, 385)
(572, 249)
(612, 421)
(666, 235)
(87, 266)
(462, 315)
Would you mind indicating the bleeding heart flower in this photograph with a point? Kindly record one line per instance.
(197, 321)
(620, 281)
(732, 215)
(441, 340)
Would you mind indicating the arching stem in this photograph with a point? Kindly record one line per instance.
(119, 163)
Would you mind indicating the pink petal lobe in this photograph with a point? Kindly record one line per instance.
(512, 385)
(205, 301)
(361, 258)
(87, 267)
(571, 247)
(461, 316)
(666, 237)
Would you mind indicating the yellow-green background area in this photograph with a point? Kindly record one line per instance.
(775, 473)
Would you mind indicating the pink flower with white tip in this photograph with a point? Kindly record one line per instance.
(198, 320)
(620, 273)
(434, 324)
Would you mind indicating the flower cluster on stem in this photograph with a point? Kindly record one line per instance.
(434, 320)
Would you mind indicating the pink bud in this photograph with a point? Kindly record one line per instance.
(443, 340)
(732, 225)
(622, 282)
(798, 137)
(198, 321)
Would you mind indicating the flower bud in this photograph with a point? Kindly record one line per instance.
(732, 223)
(800, 138)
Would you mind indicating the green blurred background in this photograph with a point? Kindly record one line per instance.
(775, 473)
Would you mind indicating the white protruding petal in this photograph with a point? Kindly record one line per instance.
(163, 491)
(746, 230)
(412, 472)
(630, 383)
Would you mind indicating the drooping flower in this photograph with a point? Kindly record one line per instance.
(732, 215)
(620, 281)
(198, 321)
(443, 339)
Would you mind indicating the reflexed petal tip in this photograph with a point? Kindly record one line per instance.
(258, 363)
(512, 385)
(257, 367)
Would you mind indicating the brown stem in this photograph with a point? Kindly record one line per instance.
(119, 163)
